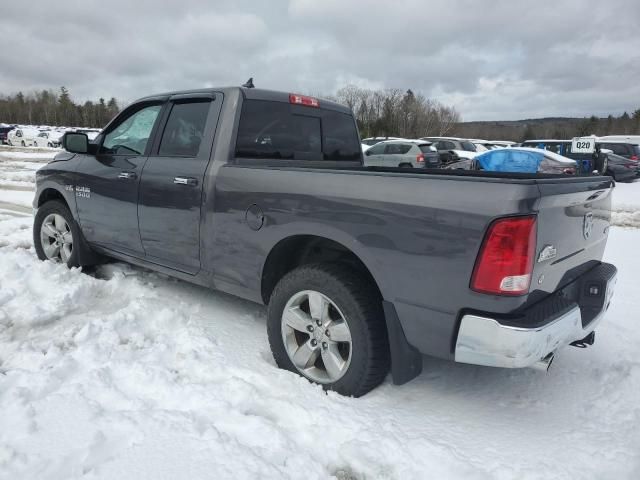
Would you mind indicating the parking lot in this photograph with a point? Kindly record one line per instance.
(118, 367)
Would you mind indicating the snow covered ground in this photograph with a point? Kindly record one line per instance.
(123, 373)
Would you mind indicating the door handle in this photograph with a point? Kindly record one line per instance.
(127, 175)
(192, 182)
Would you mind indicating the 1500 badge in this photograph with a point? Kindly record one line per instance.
(82, 192)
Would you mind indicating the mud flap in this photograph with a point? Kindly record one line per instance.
(406, 361)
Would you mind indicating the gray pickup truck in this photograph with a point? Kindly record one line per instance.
(263, 195)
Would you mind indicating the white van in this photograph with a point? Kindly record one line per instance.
(22, 137)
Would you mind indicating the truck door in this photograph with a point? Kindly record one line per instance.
(108, 182)
(172, 182)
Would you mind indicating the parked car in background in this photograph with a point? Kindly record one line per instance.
(588, 163)
(4, 132)
(620, 168)
(624, 149)
(526, 160)
(373, 140)
(49, 138)
(452, 149)
(22, 137)
(402, 153)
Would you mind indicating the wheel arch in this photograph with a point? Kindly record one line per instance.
(296, 250)
(50, 193)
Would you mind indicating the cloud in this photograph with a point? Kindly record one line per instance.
(504, 59)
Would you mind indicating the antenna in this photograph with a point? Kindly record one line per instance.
(249, 83)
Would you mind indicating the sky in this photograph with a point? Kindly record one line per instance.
(491, 59)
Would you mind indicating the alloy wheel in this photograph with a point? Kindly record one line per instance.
(316, 336)
(56, 238)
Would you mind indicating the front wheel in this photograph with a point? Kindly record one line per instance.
(325, 322)
(56, 235)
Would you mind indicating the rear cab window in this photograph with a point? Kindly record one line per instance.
(425, 148)
(282, 131)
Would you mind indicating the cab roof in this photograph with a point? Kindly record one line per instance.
(247, 93)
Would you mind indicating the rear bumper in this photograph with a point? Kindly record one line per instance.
(489, 340)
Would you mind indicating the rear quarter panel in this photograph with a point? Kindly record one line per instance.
(419, 236)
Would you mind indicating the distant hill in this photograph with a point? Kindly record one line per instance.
(548, 127)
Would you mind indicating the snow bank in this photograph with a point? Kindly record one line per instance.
(625, 206)
(23, 198)
(33, 155)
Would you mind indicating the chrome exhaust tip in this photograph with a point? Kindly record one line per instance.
(544, 364)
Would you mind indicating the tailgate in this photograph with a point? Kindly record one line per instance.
(573, 225)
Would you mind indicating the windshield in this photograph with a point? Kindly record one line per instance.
(468, 146)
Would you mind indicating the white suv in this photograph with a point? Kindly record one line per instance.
(402, 153)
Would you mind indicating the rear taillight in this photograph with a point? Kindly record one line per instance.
(303, 100)
(634, 158)
(505, 262)
(420, 158)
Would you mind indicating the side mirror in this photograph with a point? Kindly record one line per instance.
(76, 142)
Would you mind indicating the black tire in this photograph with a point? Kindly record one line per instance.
(57, 207)
(23, 144)
(361, 305)
(405, 165)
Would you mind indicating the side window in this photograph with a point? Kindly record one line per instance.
(18, 133)
(448, 145)
(617, 148)
(184, 130)
(392, 149)
(339, 137)
(132, 134)
(397, 148)
(377, 149)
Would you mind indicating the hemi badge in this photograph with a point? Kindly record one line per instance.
(547, 253)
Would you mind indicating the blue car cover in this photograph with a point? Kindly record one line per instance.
(507, 160)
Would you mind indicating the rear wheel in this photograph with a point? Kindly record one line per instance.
(325, 322)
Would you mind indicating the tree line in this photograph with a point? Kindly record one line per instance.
(393, 112)
(47, 107)
(390, 112)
